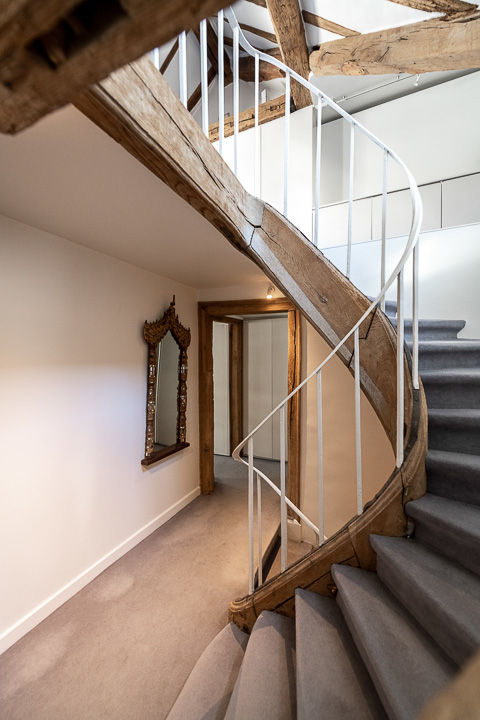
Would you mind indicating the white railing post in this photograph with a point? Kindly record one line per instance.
(259, 530)
(318, 155)
(384, 225)
(400, 360)
(287, 144)
(221, 84)
(182, 54)
(321, 506)
(358, 426)
(416, 250)
(350, 200)
(256, 171)
(204, 74)
(283, 506)
(236, 100)
(251, 574)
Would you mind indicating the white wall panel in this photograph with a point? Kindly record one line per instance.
(461, 201)
(221, 386)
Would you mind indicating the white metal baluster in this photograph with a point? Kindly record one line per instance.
(250, 517)
(182, 68)
(283, 505)
(286, 150)
(350, 200)
(236, 91)
(358, 425)
(384, 224)
(204, 73)
(415, 316)
(400, 378)
(156, 58)
(256, 175)
(321, 507)
(318, 154)
(259, 529)
(221, 85)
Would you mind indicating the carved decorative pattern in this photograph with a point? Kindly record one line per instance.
(154, 333)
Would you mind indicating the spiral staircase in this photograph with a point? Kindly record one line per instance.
(377, 619)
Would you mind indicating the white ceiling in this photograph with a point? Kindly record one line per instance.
(67, 177)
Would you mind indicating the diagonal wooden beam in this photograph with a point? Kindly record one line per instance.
(260, 3)
(170, 56)
(449, 7)
(324, 24)
(261, 33)
(422, 47)
(197, 93)
(289, 29)
(51, 50)
(270, 110)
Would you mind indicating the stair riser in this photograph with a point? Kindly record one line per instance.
(461, 549)
(455, 393)
(461, 437)
(432, 330)
(454, 483)
(445, 360)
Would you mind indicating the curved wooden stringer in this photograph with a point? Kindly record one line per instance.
(164, 137)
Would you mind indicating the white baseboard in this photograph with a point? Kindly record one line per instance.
(35, 616)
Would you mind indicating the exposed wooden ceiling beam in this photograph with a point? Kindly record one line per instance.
(170, 56)
(422, 47)
(266, 71)
(289, 29)
(53, 49)
(324, 24)
(261, 33)
(260, 3)
(197, 93)
(270, 110)
(449, 7)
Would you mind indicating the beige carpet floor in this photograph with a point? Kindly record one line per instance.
(122, 647)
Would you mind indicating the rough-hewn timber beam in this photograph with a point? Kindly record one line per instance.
(170, 56)
(449, 7)
(270, 110)
(289, 29)
(266, 71)
(260, 33)
(422, 47)
(197, 93)
(325, 24)
(51, 50)
(260, 3)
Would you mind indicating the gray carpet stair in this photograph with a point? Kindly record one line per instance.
(394, 638)
(405, 664)
(209, 687)
(265, 686)
(433, 589)
(454, 475)
(451, 527)
(325, 652)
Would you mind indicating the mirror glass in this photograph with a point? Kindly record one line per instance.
(168, 359)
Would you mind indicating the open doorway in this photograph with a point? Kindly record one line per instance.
(233, 314)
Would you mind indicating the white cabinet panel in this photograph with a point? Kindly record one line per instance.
(461, 201)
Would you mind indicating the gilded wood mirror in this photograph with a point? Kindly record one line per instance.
(167, 341)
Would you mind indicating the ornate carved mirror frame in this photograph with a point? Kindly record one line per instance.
(154, 333)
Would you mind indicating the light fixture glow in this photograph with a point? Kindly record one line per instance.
(270, 292)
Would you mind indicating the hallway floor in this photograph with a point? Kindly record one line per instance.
(123, 646)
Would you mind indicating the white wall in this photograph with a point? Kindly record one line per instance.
(221, 388)
(73, 495)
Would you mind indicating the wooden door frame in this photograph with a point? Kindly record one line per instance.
(208, 312)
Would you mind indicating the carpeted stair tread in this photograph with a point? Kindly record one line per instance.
(265, 686)
(452, 528)
(454, 475)
(406, 666)
(325, 652)
(452, 388)
(441, 595)
(207, 692)
(438, 354)
(433, 329)
(454, 430)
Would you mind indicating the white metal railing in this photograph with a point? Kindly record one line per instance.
(238, 41)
